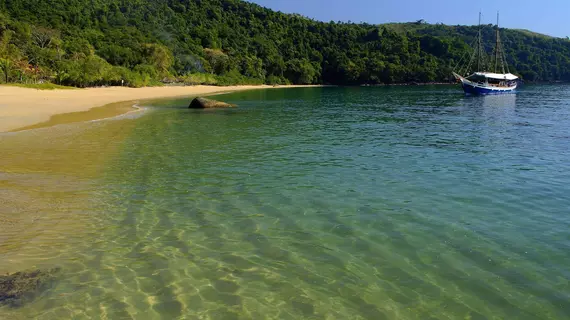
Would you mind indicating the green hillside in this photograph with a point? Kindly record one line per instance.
(426, 28)
(96, 42)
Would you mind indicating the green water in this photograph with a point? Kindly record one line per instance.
(320, 203)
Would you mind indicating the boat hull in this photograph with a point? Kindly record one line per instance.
(477, 89)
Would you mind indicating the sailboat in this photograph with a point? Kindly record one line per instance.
(484, 81)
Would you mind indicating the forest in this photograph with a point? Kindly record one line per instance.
(141, 43)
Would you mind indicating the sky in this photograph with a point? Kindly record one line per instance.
(551, 17)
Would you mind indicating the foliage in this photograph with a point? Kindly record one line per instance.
(5, 69)
(40, 86)
(139, 43)
(200, 78)
(231, 78)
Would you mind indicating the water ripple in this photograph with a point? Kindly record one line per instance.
(330, 203)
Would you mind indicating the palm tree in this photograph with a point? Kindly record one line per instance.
(5, 68)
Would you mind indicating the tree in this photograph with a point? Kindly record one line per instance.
(218, 61)
(6, 67)
(85, 71)
(242, 42)
(43, 37)
(301, 71)
(252, 67)
(5, 42)
(158, 56)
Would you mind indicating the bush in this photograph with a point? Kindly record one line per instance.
(275, 80)
(234, 78)
(200, 78)
(41, 86)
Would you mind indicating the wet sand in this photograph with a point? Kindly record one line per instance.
(22, 108)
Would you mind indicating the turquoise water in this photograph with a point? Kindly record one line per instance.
(327, 203)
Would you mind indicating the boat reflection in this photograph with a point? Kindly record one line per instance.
(500, 105)
(499, 110)
(507, 101)
(492, 109)
(493, 101)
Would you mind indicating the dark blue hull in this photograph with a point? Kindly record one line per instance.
(479, 90)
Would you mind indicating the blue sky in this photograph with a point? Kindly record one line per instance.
(550, 17)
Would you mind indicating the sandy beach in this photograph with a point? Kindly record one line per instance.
(22, 107)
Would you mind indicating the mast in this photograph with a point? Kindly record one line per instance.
(498, 51)
(479, 48)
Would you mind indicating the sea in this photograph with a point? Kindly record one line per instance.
(411, 202)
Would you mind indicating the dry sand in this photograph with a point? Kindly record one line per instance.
(22, 107)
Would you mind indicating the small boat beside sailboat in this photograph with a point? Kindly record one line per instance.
(482, 80)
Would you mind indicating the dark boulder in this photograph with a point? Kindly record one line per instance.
(203, 103)
(16, 287)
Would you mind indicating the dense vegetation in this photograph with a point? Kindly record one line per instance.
(96, 42)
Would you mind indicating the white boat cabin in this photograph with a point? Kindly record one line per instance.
(493, 79)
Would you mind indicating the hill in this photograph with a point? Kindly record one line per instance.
(423, 27)
(94, 42)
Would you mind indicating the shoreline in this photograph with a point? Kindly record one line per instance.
(105, 112)
(25, 108)
(408, 84)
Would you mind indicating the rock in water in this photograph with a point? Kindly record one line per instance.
(14, 288)
(203, 103)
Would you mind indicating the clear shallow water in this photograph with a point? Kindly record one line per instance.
(322, 203)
